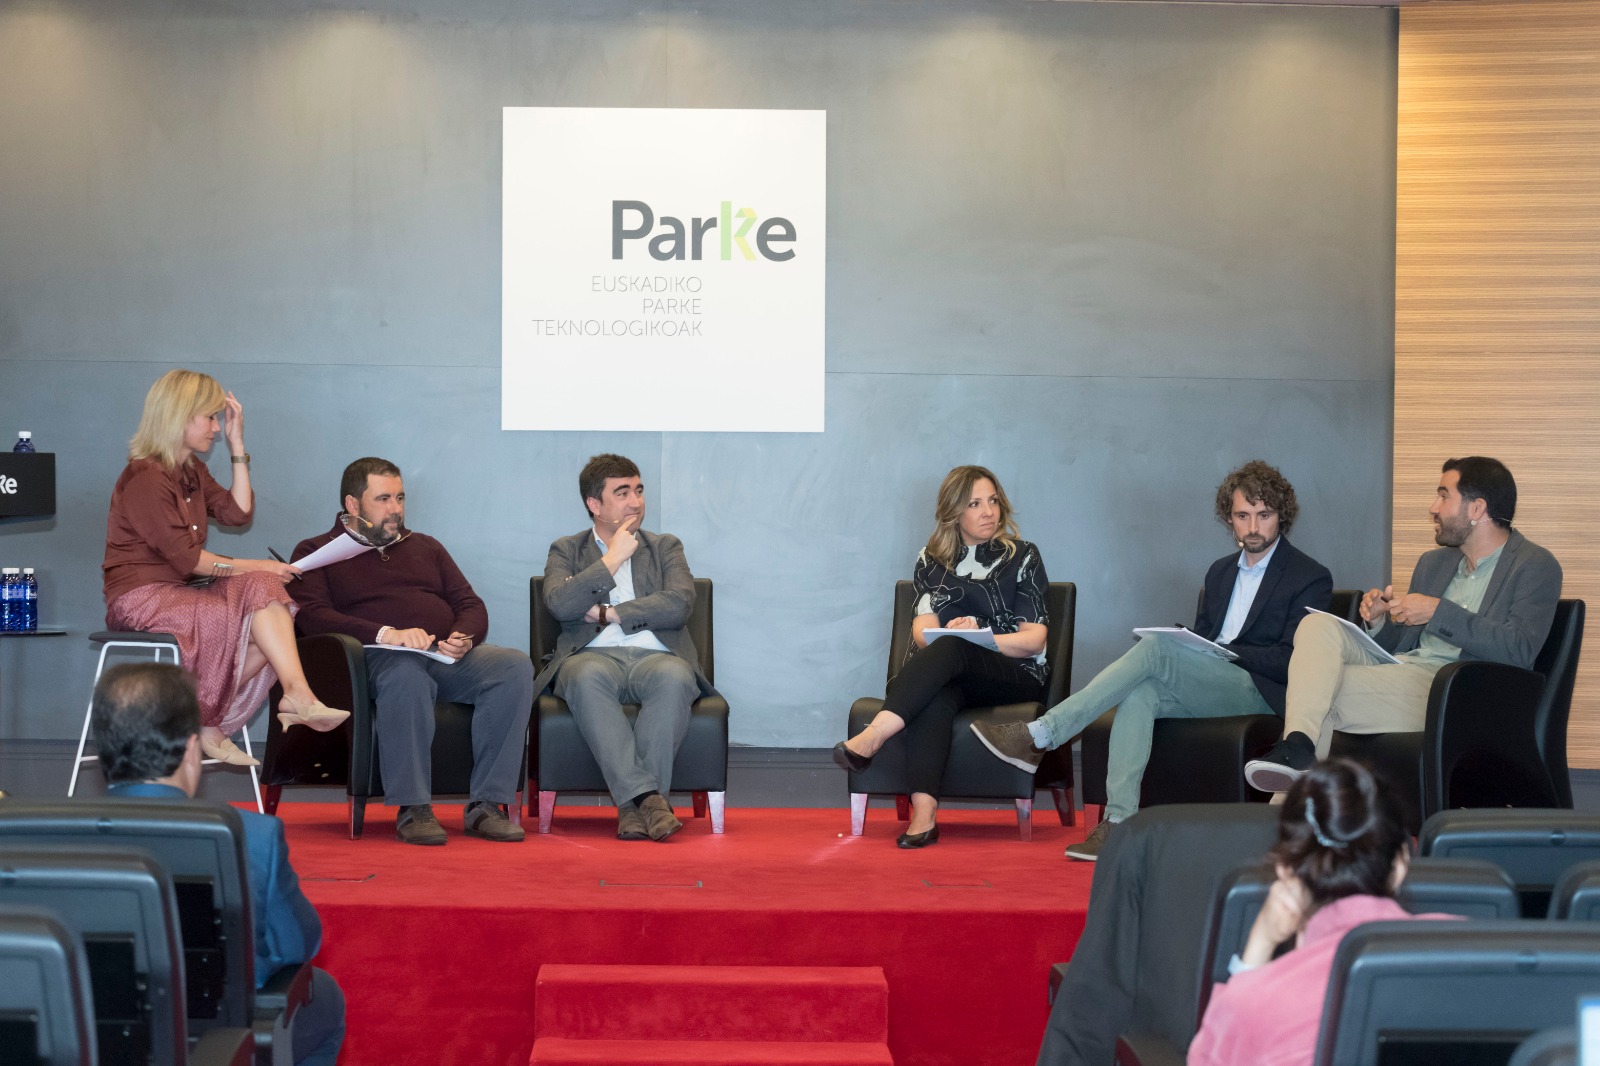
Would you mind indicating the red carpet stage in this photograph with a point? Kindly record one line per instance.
(439, 949)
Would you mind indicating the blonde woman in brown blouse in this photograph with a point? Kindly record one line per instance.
(232, 618)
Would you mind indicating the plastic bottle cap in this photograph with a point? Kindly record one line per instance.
(25, 435)
(8, 570)
(27, 569)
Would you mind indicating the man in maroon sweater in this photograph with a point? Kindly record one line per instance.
(409, 593)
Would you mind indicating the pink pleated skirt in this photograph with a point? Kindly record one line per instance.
(212, 625)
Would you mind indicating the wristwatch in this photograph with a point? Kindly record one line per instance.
(245, 458)
(603, 615)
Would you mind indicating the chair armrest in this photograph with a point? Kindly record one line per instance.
(336, 668)
(224, 1047)
(1146, 1051)
(285, 992)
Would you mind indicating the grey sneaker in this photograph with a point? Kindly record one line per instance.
(1012, 743)
(659, 821)
(1089, 850)
(489, 821)
(630, 823)
(417, 825)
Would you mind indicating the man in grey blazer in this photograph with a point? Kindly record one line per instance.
(1487, 592)
(623, 598)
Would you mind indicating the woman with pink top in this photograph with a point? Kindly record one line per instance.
(1342, 850)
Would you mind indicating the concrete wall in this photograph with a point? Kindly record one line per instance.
(1108, 250)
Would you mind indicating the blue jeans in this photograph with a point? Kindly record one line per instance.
(1157, 678)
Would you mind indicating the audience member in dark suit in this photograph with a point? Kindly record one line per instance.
(976, 572)
(147, 731)
(1342, 851)
(1487, 592)
(1253, 603)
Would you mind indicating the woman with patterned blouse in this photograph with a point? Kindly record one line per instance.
(975, 573)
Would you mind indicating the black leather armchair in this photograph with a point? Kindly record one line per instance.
(1496, 735)
(562, 761)
(347, 757)
(973, 772)
(1195, 760)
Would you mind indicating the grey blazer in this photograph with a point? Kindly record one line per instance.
(575, 580)
(1514, 619)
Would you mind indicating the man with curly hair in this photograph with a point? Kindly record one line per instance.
(1254, 601)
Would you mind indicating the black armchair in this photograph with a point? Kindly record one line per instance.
(562, 761)
(347, 757)
(972, 772)
(1496, 735)
(1195, 760)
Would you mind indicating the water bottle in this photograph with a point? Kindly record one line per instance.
(30, 600)
(24, 442)
(10, 605)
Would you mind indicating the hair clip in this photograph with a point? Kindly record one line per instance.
(1322, 838)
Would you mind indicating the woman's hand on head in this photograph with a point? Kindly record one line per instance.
(233, 423)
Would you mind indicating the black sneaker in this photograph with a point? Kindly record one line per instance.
(417, 825)
(1010, 742)
(1089, 849)
(489, 821)
(1287, 762)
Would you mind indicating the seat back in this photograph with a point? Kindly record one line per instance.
(544, 630)
(121, 904)
(1548, 1047)
(1533, 846)
(1558, 662)
(1466, 887)
(45, 999)
(1438, 992)
(201, 845)
(1061, 601)
(1577, 895)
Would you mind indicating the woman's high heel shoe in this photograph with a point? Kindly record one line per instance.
(318, 716)
(849, 760)
(918, 840)
(227, 752)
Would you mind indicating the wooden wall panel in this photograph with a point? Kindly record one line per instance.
(1497, 279)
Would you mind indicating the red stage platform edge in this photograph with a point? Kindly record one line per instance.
(439, 949)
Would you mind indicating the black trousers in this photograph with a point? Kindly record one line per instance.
(937, 682)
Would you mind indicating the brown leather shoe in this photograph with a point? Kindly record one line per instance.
(630, 823)
(489, 822)
(659, 821)
(417, 825)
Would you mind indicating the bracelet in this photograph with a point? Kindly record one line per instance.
(245, 459)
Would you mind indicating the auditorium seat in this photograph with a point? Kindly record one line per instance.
(201, 846)
(1534, 847)
(1548, 1047)
(1439, 992)
(46, 1006)
(561, 759)
(1577, 895)
(1195, 760)
(972, 772)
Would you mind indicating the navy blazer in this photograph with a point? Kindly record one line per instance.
(288, 931)
(1293, 582)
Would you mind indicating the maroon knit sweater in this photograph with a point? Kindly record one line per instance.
(413, 585)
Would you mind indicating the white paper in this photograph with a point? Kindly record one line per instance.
(436, 656)
(983, 638)
(1362, 636)
(1189, 639)
(336, 550)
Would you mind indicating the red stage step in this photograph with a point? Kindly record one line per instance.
(711, 1015)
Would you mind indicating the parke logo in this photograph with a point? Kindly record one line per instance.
(675, 240)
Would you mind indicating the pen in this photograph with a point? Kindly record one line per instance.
(281, 559)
